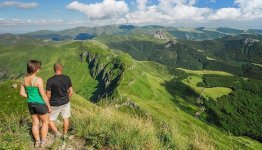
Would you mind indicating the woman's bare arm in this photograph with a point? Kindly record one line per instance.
(42, 92)
(22, 91)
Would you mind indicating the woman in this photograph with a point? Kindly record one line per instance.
(32, 88)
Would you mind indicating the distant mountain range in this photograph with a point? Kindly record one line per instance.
(84, 33)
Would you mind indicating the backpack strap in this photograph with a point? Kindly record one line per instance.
(35, 78)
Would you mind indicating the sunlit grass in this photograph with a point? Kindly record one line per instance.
(202, 72)
(214, 92)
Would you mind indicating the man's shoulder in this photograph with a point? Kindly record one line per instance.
(65, 76)
(50, 79)
(55, 77)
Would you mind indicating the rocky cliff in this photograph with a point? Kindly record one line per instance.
(161, 35)
(107, 71)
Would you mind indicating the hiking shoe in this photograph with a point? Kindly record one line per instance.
(37, 145)
(44, 143)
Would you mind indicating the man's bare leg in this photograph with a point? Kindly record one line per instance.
(52, 126)
(66, 126)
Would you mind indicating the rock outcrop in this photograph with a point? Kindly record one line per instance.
(170, 43)
(248, 45)
(107, 73)
(161, 35)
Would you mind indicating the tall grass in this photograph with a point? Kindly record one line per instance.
(14, 119)
(108, 127)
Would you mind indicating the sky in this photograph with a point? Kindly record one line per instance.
(20, 16)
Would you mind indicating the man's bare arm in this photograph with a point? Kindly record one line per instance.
(48, 93)
(70, 91)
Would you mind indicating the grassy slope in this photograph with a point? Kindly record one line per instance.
(147, 90)
(143, 82)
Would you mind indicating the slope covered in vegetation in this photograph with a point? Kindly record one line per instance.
(233, 54)
(154, 108)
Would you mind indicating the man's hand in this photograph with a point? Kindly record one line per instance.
(70, 91)
(49, 109)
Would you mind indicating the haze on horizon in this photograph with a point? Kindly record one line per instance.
(24, 16)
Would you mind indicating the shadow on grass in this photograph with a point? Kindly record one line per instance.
(183, 96)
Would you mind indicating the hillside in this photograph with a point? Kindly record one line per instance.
(152, 105)
(235, 54)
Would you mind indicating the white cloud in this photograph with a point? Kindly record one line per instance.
(167, 11)
(149, 16)
(250, 9)
(28, 22)
(141, 4)
(245, 10)
(173, 11)
(18, 4)
(171, 3)
(187, 12)
(103, 10)
(225, 14)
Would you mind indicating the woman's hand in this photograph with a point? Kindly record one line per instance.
(43, 93)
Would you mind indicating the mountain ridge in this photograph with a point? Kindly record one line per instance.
(180, 33)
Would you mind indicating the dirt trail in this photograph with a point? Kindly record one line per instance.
(72, 143)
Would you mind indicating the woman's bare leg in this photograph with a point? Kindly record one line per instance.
(35, 128)
(44, 129)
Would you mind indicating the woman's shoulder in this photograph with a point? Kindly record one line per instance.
(39, 79)
(23, 79)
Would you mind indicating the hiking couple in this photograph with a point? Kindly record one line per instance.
(46, 105)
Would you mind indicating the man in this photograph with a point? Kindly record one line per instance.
(59, 90)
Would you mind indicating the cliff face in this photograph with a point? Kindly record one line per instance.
(161, 35)
(249, 45)
(107, 71)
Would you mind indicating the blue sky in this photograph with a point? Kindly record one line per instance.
(25, 15)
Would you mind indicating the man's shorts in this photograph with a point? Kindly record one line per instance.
(64, 110)
(37, 109)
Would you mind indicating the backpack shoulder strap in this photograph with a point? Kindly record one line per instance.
(35, 78)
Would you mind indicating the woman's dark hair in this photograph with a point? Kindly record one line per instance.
(33, 66)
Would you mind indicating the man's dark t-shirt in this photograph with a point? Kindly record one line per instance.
(58, 85)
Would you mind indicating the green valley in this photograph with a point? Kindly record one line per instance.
(134, 91)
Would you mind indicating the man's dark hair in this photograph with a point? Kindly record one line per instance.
(33, 66)
(58, 66)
